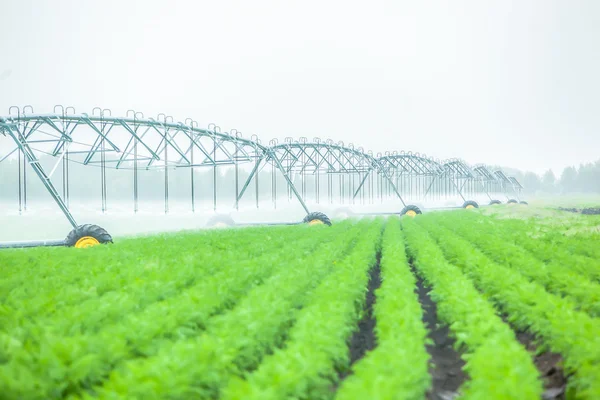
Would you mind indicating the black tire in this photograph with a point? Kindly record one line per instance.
(98, 233)
(470, 203)
(512, 201)
(220, 220)
(494, 202)
(409, 208)
(524, 203)
(316, 216)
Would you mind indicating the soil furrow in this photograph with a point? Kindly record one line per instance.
(446, 370)
(549, 365)
(364, 339)
(584, 211)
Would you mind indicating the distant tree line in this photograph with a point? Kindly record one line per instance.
(584, 179)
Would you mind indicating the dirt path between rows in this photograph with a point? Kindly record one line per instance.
(549, 366)
(585, 211)
(364, 339)
(446, 373)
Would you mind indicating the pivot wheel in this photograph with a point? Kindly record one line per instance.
(87, 235)
(411, 211)
(494, 202)
(512, 201)
(316, 218)
(470, 204)
(524, 203)
(220, 221)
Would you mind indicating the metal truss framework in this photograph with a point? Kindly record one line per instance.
(355, 170)
(137, 143)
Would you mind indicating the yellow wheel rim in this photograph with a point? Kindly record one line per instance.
(470, 206)
(220, 225)
(411, 213)
(86, 241)
(316, 222)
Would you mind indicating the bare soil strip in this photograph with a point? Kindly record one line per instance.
(363, 339)
(549, 365)
(446, 372)
(585, 211)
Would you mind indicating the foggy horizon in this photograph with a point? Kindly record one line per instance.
(501, 83)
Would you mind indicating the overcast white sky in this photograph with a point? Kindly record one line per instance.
(515, 83)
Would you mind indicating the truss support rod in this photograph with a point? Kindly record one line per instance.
(515, 192)
(192, 178)
(65, 171)
(103, 176)
(458, 190)
(485, 189)
(247, 183)
(503, 189)
(25, 184)
(463, 185)
(362, 182)
(20, 185)
(166, 180)
(37, 168)
(215, 173)
(317, 187)
(237, 179)
(394, 188)
(274, 186)
(431, 185)
(135, 177)
(289, 182)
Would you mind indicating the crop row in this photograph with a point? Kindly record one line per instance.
(234, 341)
(397, 367)
(45, 266)
(494, 357)
(555, 277)
(51, 365)
(527, 305)
(316, 347)
(83, 300)
(543, 243)
(268, 313)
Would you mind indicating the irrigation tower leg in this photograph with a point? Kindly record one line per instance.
(431, 185)
(289, 182)
(362, 182)
(247, 183)
(458, 190)
(485, 189)
(39, 170)
(393, 186)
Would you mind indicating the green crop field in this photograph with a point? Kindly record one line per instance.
(502, 303)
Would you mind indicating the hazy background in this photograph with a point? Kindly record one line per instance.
(512, 83)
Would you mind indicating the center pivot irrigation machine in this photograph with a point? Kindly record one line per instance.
(315, 172)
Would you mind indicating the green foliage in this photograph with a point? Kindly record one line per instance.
(397, 367)
(47, 360)
(233, 341)
(544, 243)
(575, 335)
(268, 312)
(306, 367)
(494, 358)
(582, 244)
(555, 277)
